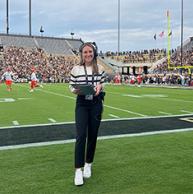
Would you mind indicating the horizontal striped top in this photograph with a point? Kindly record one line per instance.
(78, 76)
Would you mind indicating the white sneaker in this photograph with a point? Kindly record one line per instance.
(31, 90)
(87, 170)
(78, 179)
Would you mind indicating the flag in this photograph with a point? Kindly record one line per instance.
(161, 34)
(154, 37)
(170, 33)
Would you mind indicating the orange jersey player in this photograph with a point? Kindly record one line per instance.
(33, 80)
(7, 76)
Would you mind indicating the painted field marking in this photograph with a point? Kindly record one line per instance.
(114, 116)
(131, 95)
(103, 120)
(7, 100)
(159, 98)
(52, 120)
(146, 95)
(16, 123)
(165, 113)
(57, 94)
(186, 111)
(115, 108)
(123, 110)
(188, 119)
(99, 138)
(155, 95)
(24, 98)
(12, 99)
(49, 92)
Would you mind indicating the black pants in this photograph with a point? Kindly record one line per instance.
(88, 117)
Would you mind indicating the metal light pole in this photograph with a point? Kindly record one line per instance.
(118, 48)
(72, 34)
(41, 30)
(29, 17)
(7, 16)
(182, 30)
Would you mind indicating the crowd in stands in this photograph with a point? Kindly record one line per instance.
(156, 79)
(56, 68)
(143, 56)
(49, 68)
(187, 60)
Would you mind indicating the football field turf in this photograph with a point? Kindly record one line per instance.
(154, 164)
(157, 164)
(55, 103)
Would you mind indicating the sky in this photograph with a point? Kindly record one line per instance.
(97, 20)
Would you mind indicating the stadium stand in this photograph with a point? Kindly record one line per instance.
(74, 44)
(145, 56)
(54, 58)
(51, 45)
(17, 40)
(51, 68)
(54, 45)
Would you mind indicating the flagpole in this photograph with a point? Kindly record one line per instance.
(7, 16)
(169, 38)
(182, 32)
(118, 41)
(156, 46)
(29, 17)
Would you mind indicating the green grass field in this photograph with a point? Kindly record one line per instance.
(158, 164)
(56, 102)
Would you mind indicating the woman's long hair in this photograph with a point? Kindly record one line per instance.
(94, 61)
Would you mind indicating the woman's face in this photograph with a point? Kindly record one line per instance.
(87, 54)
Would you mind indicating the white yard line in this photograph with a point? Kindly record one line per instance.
(16, 123)
(132, 95)
(123, 110)
(188, 119)
(114, 116)
(185, 111)
(99, 138)
(165, 113)
(115, 108)
(57, 94)
(24, 98)
(157, 98)
(70, 97)
(103, 120)
(53, 93)
(52, 120)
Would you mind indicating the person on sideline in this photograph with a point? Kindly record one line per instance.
(33, 80)
(7, 76)
(88, 110)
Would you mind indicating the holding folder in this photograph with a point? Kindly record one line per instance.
(85, 89)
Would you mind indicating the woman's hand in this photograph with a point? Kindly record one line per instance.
(98, 88)
(76, 91)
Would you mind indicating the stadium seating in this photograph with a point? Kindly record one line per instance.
(51, 68)
(51, 45)
(145, 56)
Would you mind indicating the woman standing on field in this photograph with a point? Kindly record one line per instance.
(88, 110)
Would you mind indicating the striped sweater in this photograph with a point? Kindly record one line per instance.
(78, 76)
